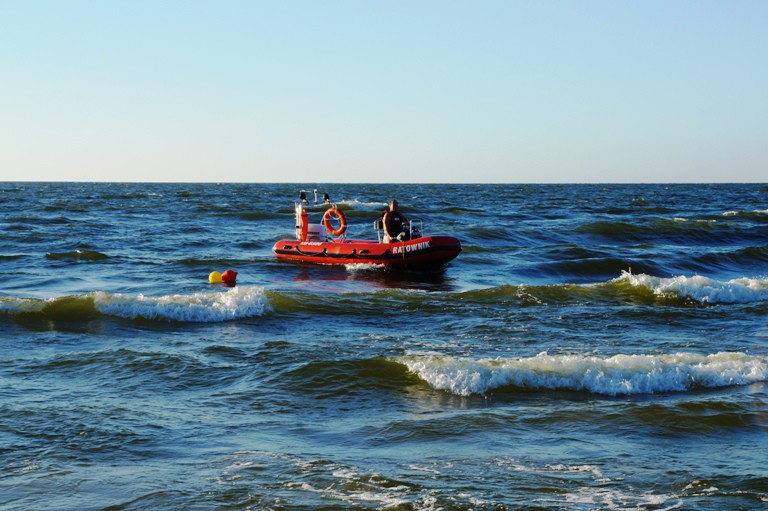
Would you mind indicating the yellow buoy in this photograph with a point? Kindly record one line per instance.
(214, 277)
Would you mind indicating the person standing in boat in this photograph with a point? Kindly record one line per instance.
(394, 223)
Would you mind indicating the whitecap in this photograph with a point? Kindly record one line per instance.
(208, 307)
(615, 375)
(703, 289)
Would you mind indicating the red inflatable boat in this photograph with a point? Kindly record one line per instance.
(325, 243)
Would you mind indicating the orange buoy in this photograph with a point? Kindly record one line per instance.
(229, 277)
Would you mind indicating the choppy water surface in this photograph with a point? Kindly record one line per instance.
(593, 347)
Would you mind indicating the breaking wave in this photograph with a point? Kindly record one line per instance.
(209, 307)
(702, 289)
(611, 376)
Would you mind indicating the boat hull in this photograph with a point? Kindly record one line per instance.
(420, 254)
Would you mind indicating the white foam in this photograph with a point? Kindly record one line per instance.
(209, 307)
(704, 289)
(616, 375)
(754, 211)
(362, 267)
(20, 305)
(356, 202)
(621, 498)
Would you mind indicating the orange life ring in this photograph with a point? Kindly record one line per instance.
(339, 214)
(302, 223)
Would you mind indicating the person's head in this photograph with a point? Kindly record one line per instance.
(392, 205)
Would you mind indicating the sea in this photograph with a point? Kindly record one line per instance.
(592, 347)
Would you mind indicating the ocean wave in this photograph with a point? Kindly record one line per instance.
(630, 288)
(743, 257)
(483, 233)
(585, 268)
(210, 262)
(11, 257)
(611, 376)
(77, 255)
(627, 289)
(39, 220)
(235, 303)
(677, 230)
(758, 215)
(248, 214)
(353, 203)
(208, 307)
(702, 289)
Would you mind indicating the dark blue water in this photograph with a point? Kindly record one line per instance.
(592, 347)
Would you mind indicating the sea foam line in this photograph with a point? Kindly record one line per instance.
(703, 289)
(616, 375)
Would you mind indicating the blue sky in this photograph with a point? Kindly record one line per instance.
(384, 91)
